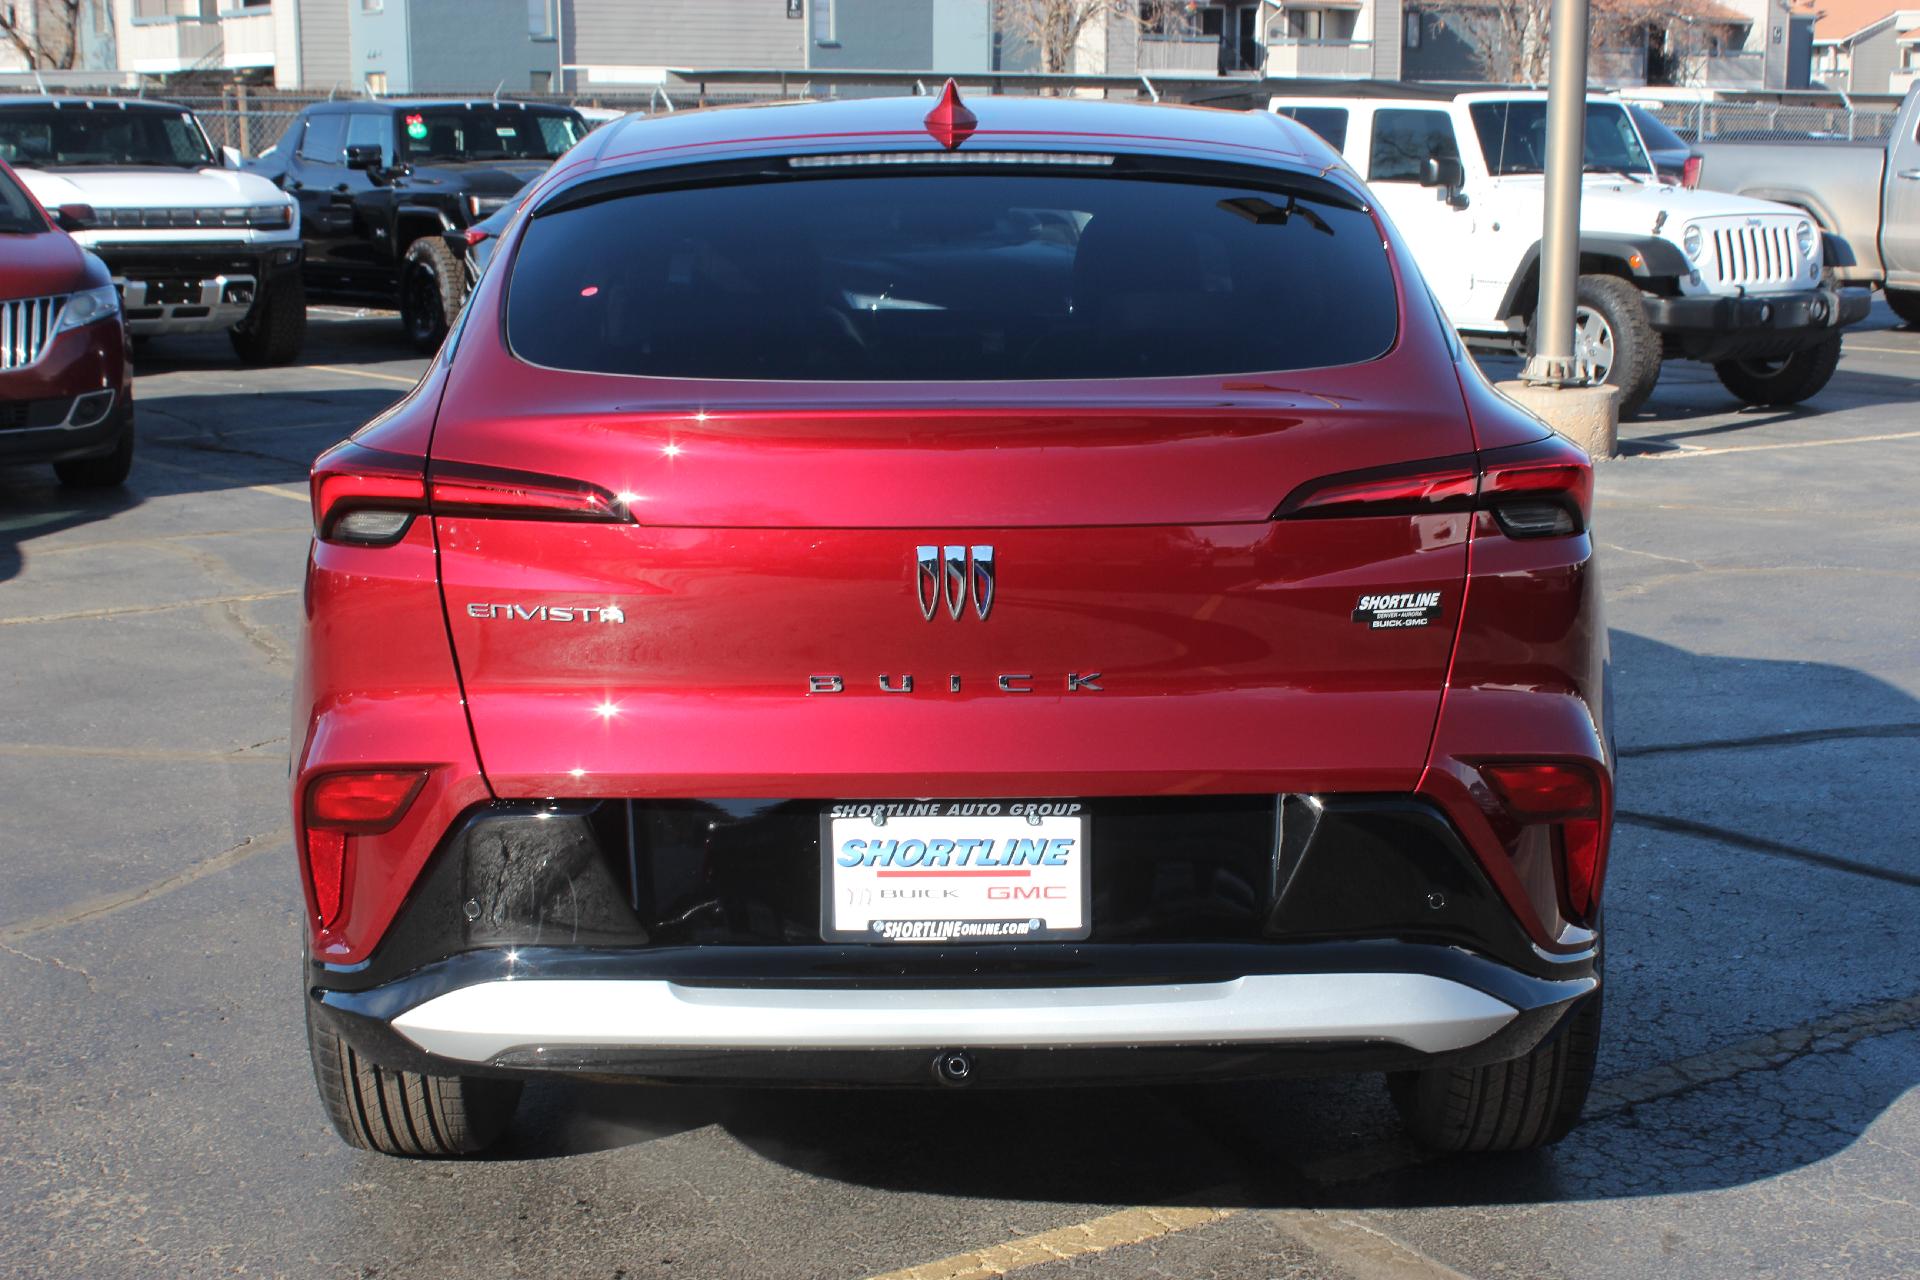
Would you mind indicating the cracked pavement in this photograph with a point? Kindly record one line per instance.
(1757, 1112)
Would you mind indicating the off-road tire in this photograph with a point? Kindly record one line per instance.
(1905, 304)
(276, 328)
(406, 1113)
(1781, 382)
(105, 472)
(432, 291)
(1636, 347)
(1528, 1102)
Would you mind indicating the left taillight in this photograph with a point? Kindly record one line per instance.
(1690, 173)
(369, 497)
(341, 806)
(1556, 814)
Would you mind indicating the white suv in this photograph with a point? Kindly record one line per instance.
(1665, 271)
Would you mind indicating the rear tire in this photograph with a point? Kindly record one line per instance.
(276, 328)
(1528, 1102)
(406, 1113)
(1782, 381)
(1905, 304)
(431, 292)
(1613, 319)
(105, 472)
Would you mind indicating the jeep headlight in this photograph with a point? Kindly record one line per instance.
(1803, 238)
(1690, 241)
(87, 306)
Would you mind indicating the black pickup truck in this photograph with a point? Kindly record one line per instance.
(381, 182)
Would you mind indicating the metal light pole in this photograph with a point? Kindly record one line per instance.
(1552, 363)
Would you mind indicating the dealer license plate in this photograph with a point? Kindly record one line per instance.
(954, 871)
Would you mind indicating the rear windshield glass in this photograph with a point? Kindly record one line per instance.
(487, 133)
(41, 137)
(951, 278)
(17, 213)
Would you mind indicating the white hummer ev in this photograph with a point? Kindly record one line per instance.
(195, 245)
(1665, 271)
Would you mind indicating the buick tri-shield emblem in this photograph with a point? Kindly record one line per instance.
(953, 576)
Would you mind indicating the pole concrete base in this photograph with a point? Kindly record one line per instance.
(1588, 416)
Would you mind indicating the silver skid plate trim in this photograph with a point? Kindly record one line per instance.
(1422, 1012)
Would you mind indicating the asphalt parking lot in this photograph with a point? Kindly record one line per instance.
(1758, 1112)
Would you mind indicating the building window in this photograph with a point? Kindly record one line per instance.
(372, 6)
(542, 82)
(823, 23)
(1413, 31)
(376, 80)
(539, 18)
(1160, 20)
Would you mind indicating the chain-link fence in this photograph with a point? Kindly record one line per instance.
(1764, 122)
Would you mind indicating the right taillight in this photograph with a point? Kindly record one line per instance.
(368, 497)
(1543, 489)
(1538, 490)
(1690, 173)
(1556, 825)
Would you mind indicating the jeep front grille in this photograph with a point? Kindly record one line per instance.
(1750, 255)
(25, 326)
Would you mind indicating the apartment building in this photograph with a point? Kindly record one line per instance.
(1866, 46)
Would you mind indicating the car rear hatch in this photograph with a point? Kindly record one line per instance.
(831, 555)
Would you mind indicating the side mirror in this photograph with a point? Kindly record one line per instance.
(74, 217)
(230, 157)
(1436, 172)
(1447, 175)
(364, 156)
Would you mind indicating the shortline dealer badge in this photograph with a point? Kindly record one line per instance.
(1402, 609)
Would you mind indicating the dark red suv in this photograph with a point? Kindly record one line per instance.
(872, 596)
(66, 392)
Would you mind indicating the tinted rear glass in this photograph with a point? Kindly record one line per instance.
(951, 278)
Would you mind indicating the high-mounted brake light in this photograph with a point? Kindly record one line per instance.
(369, 497)
(342, 805)
(1537, 490)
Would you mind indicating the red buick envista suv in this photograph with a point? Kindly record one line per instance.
(66, 389)
(1019, 594)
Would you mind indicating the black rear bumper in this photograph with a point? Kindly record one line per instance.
(1722, 328)
(727, 896)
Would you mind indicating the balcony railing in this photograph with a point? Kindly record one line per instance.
(1332, 59)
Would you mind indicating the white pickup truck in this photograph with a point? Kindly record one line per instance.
(195, 244)
(1665, 272)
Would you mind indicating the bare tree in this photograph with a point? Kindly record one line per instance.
(1509, 38)
(1054, 28)
(45, 32)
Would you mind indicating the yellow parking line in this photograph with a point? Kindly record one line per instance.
(279, 492)
(364, 373)
(1889, 351)
(1129, 1226)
